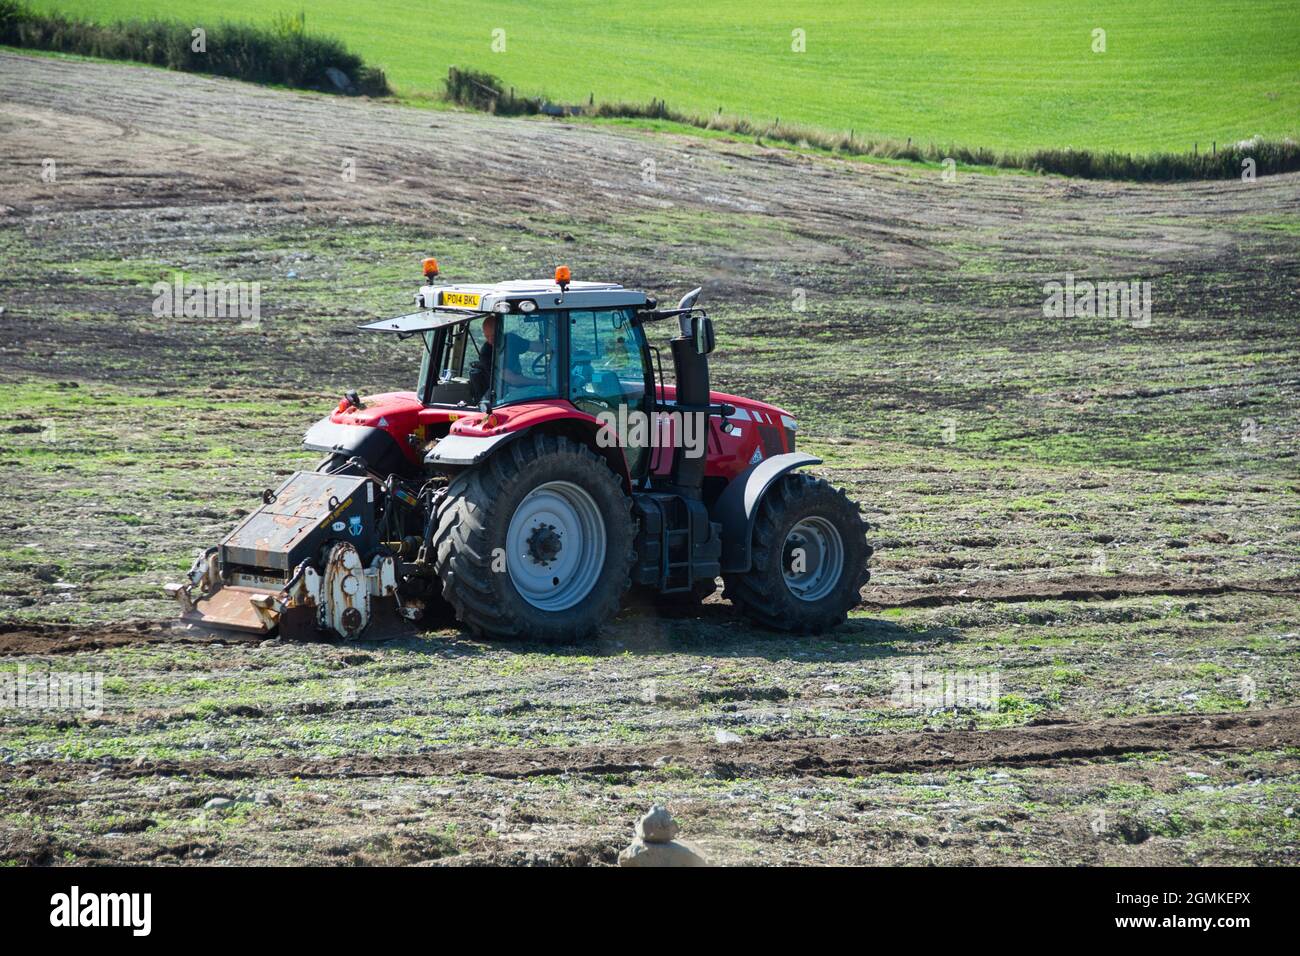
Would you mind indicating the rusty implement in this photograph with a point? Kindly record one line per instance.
(307, 510)
(300, 552)
(231, 608)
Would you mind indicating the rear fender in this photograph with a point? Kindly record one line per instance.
(737, 506)
(458, 451)
(381, 452)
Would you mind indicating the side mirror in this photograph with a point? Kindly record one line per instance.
(704, 339)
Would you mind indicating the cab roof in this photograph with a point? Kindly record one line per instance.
(448, 304)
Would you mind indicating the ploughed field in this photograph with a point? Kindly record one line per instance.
(1092, 521)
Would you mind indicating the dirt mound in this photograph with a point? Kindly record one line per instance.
(1080, 587)
(16, 639)
(1042, 744)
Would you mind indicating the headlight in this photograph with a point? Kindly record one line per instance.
(527, 305)
(501, 307)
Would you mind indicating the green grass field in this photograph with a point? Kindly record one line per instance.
(998, 74)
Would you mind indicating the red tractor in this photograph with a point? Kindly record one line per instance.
(541, 468)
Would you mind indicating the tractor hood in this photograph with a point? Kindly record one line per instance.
(750, 408)
(389, 430)
(378, 432)
(380, 410)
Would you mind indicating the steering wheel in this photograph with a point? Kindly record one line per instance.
(591, 404)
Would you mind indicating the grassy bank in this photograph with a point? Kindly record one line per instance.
(484, 91)
(282, 52)
(1001, 74)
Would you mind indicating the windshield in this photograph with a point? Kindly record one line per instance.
(520, 350)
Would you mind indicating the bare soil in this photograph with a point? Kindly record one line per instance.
(1049, 743)
(30, 639)
(1081, 587)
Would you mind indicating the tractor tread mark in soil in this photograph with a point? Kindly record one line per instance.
(762, 594)
(470, 540)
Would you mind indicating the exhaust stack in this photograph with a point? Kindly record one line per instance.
(691, 368)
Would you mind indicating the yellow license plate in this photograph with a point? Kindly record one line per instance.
(462, 300)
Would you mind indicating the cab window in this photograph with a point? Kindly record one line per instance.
(605, 360)
(449, 357)
(605, 367)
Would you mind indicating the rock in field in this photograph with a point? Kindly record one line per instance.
(657, 826)
(655, 843)
(675, 853)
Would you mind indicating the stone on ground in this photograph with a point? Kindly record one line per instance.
(655, 843)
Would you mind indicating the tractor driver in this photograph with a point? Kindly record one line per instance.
(514, 346)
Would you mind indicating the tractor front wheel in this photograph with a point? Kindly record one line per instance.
(536, 542)
(810, 556)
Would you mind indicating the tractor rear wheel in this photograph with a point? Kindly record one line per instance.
(810, 556)
(536, 542)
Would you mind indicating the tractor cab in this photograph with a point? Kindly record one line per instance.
(508, 344)
(592, 357)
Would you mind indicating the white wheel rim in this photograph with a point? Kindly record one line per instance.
(555, 546)
(812, 559)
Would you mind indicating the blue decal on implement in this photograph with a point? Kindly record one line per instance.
(354, 526)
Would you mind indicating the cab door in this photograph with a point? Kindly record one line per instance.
(607, 373)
